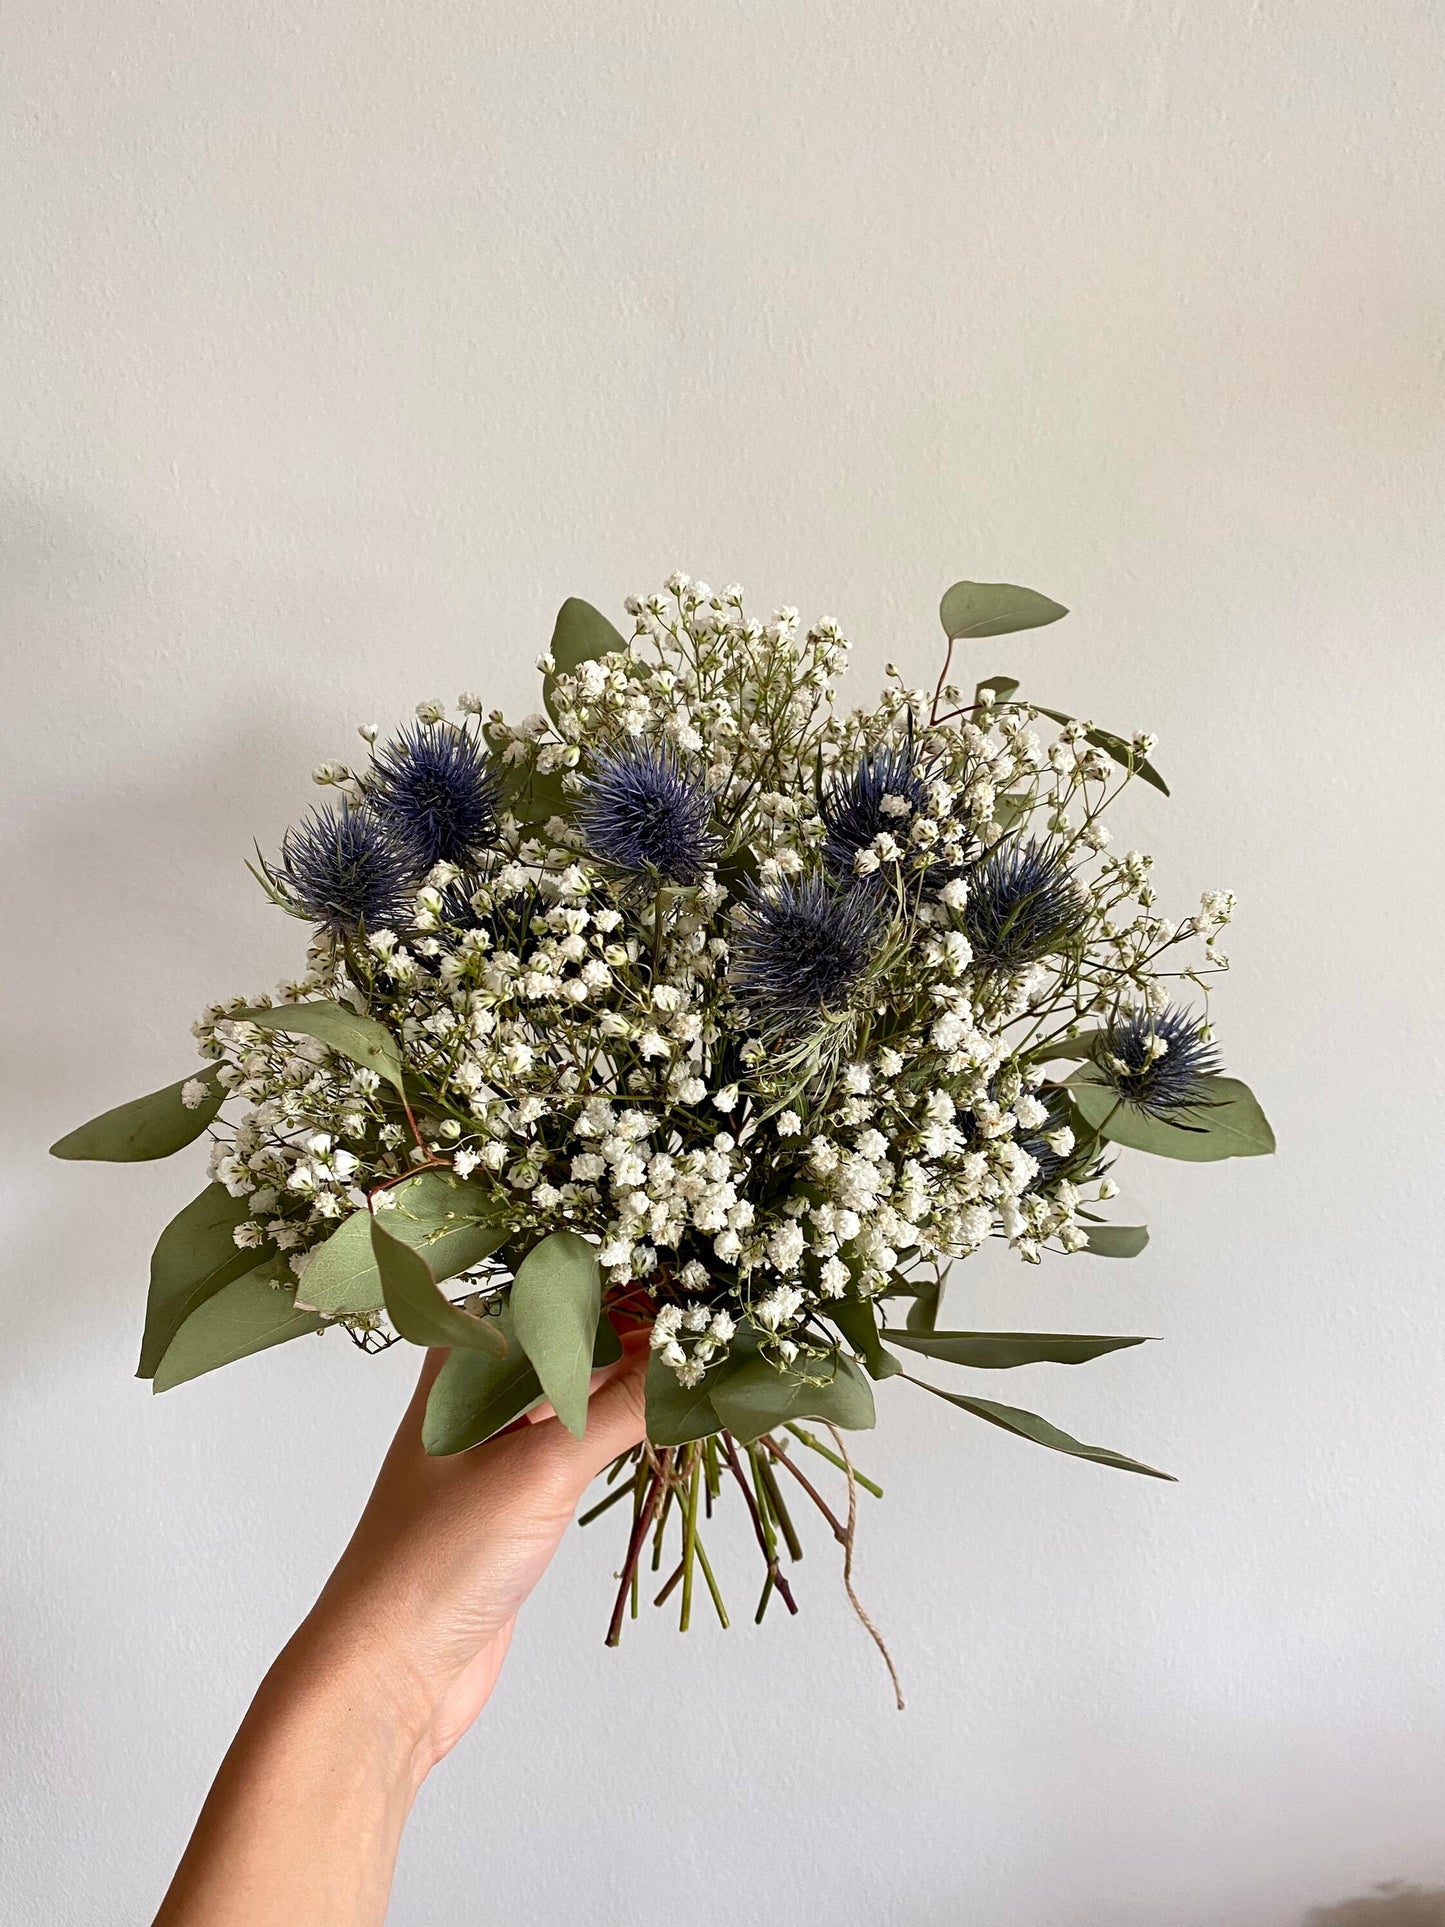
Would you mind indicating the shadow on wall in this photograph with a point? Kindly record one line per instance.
(1391, 1905)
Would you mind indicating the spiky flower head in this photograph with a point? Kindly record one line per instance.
(643, 811)
(344, 870)
(1023, 905)
(438, 791)
(800, 948)
(881, 794)
(1157, 1061)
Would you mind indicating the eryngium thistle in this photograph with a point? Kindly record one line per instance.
(1163, 1083)
(643, 811)
(346, 872)
(852, 806)
(438, 792)
(800, 949)
(1023, 905)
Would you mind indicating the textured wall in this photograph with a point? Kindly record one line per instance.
(340, 342)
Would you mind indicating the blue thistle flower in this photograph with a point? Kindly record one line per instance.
(643, 811)
(1166, 1084)
(852, 806)
(439, 793)
(346, 872)
(1023, 904)
(801, 948)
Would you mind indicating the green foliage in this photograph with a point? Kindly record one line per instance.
(1001, 1351)
(359, 1039)
(1028, 1425)
(858, 1322)
(996, 689)
(248, 1315)
(475, 1394)
(195, 1256)
(556, 1300)
(972, 609)
(450, 1221)
(420, 1312)
(1228, 1122)
(1116, 1240)
(758, 1396)
(147, 1127)
(676, 1414)
(1115, 748)
(580, 634)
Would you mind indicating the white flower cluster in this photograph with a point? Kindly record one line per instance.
(586, 1044)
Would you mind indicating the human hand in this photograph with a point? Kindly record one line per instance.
(425, 1596)
(391, 1666)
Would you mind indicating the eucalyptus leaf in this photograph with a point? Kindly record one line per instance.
(420, 1312)
(1226, 1123)
(475, 1394)
(1116, 1240)
(1001, 1351)
(1028, 1425)
(359, 1039)
(556, 1300)
(194, 1257)
(973, 609)
(858, 1322)
(997, 689)
(248, 1315)
(580, 634)
(923, 1312)
(451, 1221)
(758, 1396)
(1079, 1048)
(148, 1127)
(677, 1414)
(540, 798)
(1115, 748)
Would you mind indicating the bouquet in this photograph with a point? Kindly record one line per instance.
(695, 1005)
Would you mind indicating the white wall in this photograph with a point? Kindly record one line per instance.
(341, 341)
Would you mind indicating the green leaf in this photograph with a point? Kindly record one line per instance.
(994, 609)
(677, 1414)
(147, 1127)
(342, 1275)
(248, 1315)
(452, 1222)
(420, 1312)
(540, 797)
(1114, 747)
(556, 1300)
(1080, 1048)
(195, 1256)
(1028, 1425)
(580, 634)
(475, 1395)
(923, 1312)
(756, 1397)
(1116, 1240)
(998, 689)
(1001, 1351)
(1227, 1123)
(858, 1322)
(360, 1039)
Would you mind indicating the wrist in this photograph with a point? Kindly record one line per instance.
(354, 1681)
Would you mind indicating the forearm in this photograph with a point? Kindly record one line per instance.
(306, 1814)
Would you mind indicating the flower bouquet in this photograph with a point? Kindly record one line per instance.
(698, 1006)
